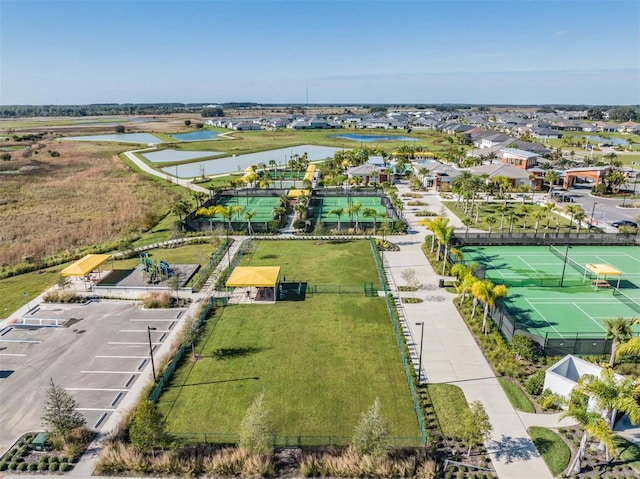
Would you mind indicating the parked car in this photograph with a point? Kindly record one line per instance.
(627, 223)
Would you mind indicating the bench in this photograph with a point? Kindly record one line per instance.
(600, 283)
(39, 441)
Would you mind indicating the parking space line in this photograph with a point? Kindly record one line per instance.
(12, 354)
(145, 343)
(141, 365)
(30, 341)
(114, 390)
(131, 379)
(102, 418)
(110, 372)
(121, 357)
(116, 399)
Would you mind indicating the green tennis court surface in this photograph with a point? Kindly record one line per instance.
(535, 299)
(324, 205)
(263, 207)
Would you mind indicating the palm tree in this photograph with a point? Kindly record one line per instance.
(592, 424)
(445, 235)
(548, 208)
(467, 222)
(371, 213)
(503, 209)
(466, 286)
(248, 215)
(210, 211)
(537, 216)
(488, 293)
(579, 216)
(265, 182)
(612, 393)
(228, 212)
(181, 208)
(355, 210)
(551, 177)
(525, 210)
(434, 225)
(620, 331)
(338, 212)
(491, 221)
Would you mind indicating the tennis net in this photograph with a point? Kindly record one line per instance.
(632, 303)
(574, 264)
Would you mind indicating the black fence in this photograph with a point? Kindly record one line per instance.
(545, 238)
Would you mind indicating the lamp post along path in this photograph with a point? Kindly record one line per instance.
(421, 324)
(153, 366)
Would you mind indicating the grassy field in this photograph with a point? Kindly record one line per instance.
(554, 451)
(517, 397)
(320, 363)
(449, 404)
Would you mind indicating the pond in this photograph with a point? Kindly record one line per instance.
(611, 141)
(372, 138)
(146, 138)
(198, 135)
(169, 155)
(239, 163)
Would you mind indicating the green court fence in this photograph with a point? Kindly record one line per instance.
(173, 364)
(545, 238)
(399, 337)
(205, 272)
(291, 440)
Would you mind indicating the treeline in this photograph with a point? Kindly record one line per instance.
(109, 109)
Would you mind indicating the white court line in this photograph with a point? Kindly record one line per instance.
(114, 390)
(491, 263)
(13, 354)
(95, 409)
(143, 331)
(589, 316)
(632, 257)
(146, 343)
(122, 357)
(529, 266)
(545, 318)
(110, 372)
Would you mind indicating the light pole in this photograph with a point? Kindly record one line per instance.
(564, 265)
(421, 324)
(153, 366)
(593, 212)
(26, 298)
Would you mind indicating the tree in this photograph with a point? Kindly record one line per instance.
(63, 281)
(187, 123)
(371, 434)
(445, 235)
(248, 215)
(181, 208)
(491, 222)
(147, 428)
(525, 210)
(191, 333)
(210, 211)
(619, 330)
(175, 283)
(371, 213)
(256, 433)
(591, 422)
(5, 156)
(338, 212)
(488, 293)
(355, 210)
(119, 129)
(551, 177)
(476, 425)
(60, 415)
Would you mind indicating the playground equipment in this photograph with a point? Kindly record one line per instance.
(155, 272)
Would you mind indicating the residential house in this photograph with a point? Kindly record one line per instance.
(520, 158)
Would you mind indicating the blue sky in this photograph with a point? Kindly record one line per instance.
(110, 51)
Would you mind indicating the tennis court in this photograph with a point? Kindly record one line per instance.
(323, 205)
(538, 302)
(263, 207)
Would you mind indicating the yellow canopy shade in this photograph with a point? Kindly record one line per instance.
(311, 170)
(260, 276)
(85, 265)
(603, 270)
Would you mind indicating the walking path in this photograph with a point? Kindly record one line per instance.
(451, 355)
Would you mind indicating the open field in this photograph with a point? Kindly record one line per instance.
(320, 363)
(82, 197)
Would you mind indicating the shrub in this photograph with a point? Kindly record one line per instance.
(255, 430)
(53, 466)
(523, 346)
(64, 467)
(43, 466)
(59, 297)
(22, 466)
(13, 465)
(599, 189)
(53, 459)
(549, 400)
(371, 435)
(400, 226)
(535, 383)
(3, 466)
(33, 466)
(157, 300)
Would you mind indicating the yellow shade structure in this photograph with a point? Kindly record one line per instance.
(603, 270)
(86, 265)
(258, 276)
(297, 193)
(309, 174)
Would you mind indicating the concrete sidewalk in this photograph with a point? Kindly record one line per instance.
(451, 355)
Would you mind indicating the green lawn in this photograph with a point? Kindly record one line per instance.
(517, 398)
(554, 451)
(321, 363)
(449, 404)
(629, 452)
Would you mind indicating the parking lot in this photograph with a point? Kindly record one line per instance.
(97, 355)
